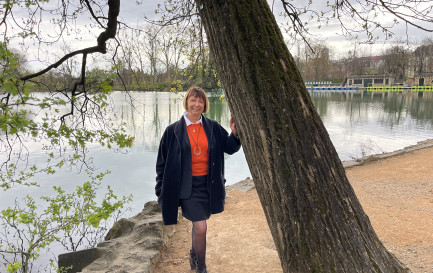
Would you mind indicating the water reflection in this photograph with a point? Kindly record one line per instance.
(393, 106)
(363, 123)
(359, 123)
(147, 114)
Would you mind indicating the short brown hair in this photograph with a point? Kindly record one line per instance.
(196, 92)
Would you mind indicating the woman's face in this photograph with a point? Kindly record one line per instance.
(195, 105)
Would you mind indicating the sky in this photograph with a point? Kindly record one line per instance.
(331, 33)
(134, 13)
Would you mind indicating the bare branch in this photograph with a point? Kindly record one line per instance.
(296, 22)
(402, 16)
(101, 47)
(178, 11)
(3, 21)
(92, 13)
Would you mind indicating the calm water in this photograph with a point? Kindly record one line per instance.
(359, 124)
(365, 123)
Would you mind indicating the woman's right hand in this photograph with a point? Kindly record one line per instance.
(233, 126)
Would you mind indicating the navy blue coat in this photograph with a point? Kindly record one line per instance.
(174, 171)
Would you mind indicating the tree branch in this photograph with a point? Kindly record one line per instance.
(92, 13)
(397, 14)
(3, 21)
(101, 47)
(298, 26)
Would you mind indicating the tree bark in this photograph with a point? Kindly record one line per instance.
(317, 222)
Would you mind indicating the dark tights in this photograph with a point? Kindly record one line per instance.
(199, 229)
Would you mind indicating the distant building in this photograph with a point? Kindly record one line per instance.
(423, 79)
(419, 79)
(370, 80)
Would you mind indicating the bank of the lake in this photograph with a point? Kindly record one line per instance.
(395, 190)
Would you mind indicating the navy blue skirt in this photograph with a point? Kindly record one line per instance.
(197, 206)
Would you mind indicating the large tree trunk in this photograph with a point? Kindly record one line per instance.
(316, 221)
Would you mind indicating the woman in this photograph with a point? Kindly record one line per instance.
(190, 170)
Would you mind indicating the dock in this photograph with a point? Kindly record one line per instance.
(372, 88)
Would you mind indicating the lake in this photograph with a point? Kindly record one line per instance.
(359, 123)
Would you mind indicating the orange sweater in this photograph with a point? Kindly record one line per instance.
(200, 163)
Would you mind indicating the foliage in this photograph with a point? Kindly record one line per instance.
(64, 123)
(64, 217)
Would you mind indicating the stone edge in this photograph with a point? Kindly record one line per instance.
(145, 232)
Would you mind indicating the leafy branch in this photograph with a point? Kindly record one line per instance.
(75, 216)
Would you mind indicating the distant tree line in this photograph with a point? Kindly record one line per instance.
(398, 61)
(166, 58)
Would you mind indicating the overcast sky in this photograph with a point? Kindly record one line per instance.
(331, 34)
(134, 14)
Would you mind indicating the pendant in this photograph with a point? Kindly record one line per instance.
(197, 151)
(193, 130)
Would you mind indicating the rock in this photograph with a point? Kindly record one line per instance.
(79, 259)
(120, 228)
(243, 186)
(132, 245)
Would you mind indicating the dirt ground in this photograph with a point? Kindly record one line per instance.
(396, 193)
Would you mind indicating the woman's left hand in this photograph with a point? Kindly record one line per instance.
(233, 127)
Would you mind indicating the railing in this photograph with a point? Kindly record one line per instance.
(399, 88)
(336, 88)
(386, 88)
(421, 88)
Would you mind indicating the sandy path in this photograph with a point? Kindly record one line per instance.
(396, 193)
